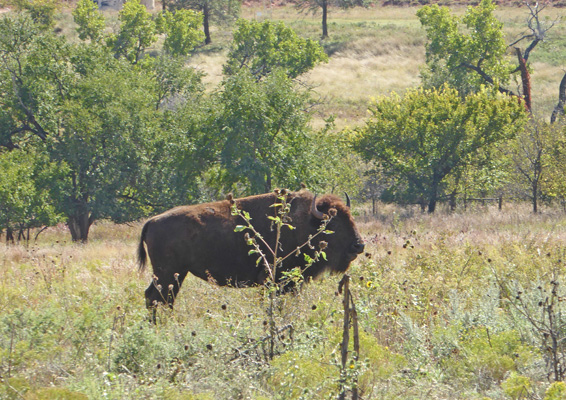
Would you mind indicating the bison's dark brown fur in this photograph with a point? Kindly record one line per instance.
(200, 239)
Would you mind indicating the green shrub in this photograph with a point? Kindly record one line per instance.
(556, 391)
(517, 386)
(136, 351)
(296, 375)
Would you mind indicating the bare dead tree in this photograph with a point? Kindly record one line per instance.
(536, 32)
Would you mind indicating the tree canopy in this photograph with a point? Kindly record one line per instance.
(262, 47)
(426, 136)
(467, 51)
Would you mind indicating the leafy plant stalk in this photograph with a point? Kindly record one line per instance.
(269, 256)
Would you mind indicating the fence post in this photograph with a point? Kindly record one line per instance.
(350, 318)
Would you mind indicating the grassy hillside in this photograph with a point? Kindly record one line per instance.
(380, 49)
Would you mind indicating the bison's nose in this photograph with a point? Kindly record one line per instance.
(358, 247)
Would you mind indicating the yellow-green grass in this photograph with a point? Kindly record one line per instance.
(73, 316)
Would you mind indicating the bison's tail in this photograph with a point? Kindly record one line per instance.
(142, 256)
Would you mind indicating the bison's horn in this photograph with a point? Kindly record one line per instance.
(347, 200)
(314, 211)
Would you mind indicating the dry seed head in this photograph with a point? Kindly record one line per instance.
(170, 287)
(332, 212)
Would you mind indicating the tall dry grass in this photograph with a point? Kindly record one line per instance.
(73, 316)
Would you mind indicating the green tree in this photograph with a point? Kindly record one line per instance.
(471, 51)
(28, 183)
(263, 129)
(102, 117)
(323, 5)
(212, 10)
(553, 183)
(90, 22)
(34, 79)
(181, 29)
(530, 162)
(174, 81)
(42, 12)
(137, 32)
(464, 58)
(331, 165)
(262, 47)
(427, 136)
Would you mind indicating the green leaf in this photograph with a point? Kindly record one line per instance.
(240, 228)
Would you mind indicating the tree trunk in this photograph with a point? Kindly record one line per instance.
(268, 182)
(453, 201)
(535, 195)
(206, 24)
(9, 236)
(324, 19)
(432, 205)
(559, 109)
(433, 195)
(79, 222)
(525, 79)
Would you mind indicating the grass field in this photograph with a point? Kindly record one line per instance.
(437, 299)
(378, 50)
(465, 305)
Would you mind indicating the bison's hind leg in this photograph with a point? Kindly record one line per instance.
(163, 290)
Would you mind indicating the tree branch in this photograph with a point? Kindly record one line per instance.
(488, 78)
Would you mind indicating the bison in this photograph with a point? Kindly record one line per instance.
(201, 239)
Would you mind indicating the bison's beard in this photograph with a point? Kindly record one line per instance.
(344, 263)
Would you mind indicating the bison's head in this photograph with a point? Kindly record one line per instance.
(345, 244)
